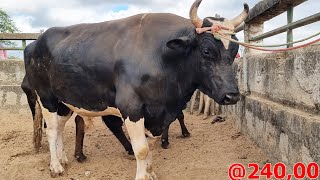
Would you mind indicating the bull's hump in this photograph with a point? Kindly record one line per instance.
(161, 20)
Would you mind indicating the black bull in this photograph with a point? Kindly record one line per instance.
(95, 66)
(144, 67)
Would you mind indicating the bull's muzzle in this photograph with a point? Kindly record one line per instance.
(231, 98)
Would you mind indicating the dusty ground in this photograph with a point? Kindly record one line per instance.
(207, 154)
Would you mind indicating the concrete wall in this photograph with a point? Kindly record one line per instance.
(11, 95)
(280, 110)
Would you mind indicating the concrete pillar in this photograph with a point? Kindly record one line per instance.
(250, 30)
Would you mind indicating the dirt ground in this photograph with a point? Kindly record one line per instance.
(207, 154)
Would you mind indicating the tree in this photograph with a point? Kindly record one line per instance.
(7, 26)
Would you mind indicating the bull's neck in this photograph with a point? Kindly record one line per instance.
(186, 71)
(188, 31)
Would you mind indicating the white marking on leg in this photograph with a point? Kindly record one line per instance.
(140, 147)
(52, 134)
(151, 141)
(61, 154)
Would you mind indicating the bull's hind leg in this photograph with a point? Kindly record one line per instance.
(64, 114)
(78, 152)
(52, 134)
(136, 131)
(55, 124)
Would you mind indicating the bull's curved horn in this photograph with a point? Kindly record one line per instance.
(238, 20)
(196, 21)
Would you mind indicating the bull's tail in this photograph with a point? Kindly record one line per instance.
(36, 112)
(37, 127)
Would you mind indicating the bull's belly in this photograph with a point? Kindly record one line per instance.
(83, 112)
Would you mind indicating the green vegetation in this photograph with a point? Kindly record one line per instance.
(7, 26)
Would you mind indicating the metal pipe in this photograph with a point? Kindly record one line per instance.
(289, 31)
(294, 25)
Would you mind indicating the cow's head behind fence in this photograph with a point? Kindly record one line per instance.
(213, 57)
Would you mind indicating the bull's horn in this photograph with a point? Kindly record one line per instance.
(196, 21)
(238, 20)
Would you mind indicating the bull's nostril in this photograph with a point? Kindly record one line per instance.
(228, 97)
(231, 98)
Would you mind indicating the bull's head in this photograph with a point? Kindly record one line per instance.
(214, 56)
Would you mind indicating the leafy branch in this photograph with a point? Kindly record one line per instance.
(7, 26)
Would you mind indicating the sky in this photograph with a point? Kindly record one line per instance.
(32, 16)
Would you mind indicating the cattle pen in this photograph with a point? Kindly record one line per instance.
(276, 120)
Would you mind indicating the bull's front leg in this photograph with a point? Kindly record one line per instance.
(115, 123)
(164, 138)
(184, 130)
(136, 131)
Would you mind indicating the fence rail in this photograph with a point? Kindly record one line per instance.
(268, 9)
(18, 36)
(290, 26)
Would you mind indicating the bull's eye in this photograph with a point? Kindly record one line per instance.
(206, 51)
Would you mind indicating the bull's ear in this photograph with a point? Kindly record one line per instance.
(179, 44)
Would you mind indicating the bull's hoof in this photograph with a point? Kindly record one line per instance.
(54, 175)
(153, 176)
(64, 164)
(205, 117)
(81, 158)
(148, 176)
(186, 134)
(64, 160)
(165, 144)
(217, 119)
(56, 169)
(198, 113)
(130, 152)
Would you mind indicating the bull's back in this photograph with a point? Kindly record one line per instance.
(128, 36)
